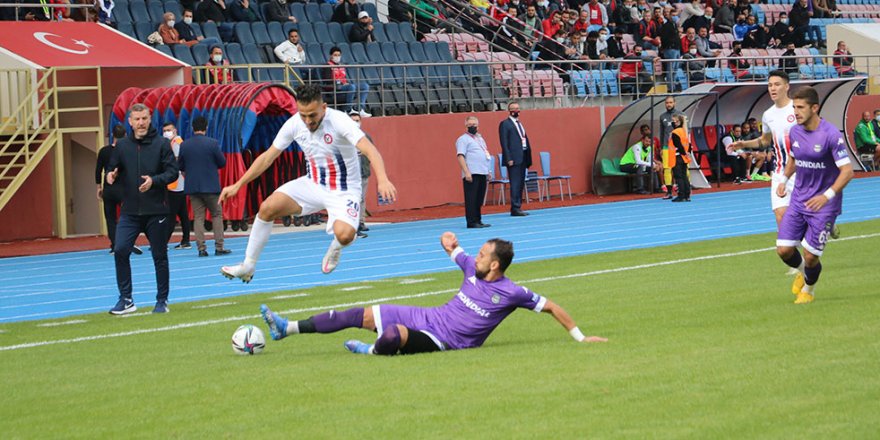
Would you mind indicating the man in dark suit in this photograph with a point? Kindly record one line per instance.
(200, 160)
(516, 155)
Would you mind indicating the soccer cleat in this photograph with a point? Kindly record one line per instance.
(161, 307)
(798, 284)
(358, 347)
(331, 259)
(835, 232)
(803, 298)
(123, 306)
(238, 271)
(277, 324)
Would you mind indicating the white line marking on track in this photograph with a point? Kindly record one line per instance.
(56, 324)
(208, 306)
(393, 298)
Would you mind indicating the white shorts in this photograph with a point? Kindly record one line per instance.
(340, 205)
(777, 202)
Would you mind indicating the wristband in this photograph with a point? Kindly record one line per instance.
(576, 334)
(829, 193)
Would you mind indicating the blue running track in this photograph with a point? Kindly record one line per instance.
(59, 285)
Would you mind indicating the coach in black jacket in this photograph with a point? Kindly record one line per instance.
(145, 165)
(516, 155)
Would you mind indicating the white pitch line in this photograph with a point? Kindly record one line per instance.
(208, 306)
(415, 280)
(352, 288)
(295, 295)
(56, 324)
(393, 298)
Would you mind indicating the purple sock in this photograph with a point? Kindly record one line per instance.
(794, 260)
(811, 274)
(334, 321)
(389, 342)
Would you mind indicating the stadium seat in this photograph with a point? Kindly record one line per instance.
(577, 80)
(393, 32)
(243, 33)
(371, 9)
(174, 8)
(122, 15)
(142, 29)
(196, 29)
(261, 33)
(374, 52)
(327, 11)
(276, 33)
(253, 55)
(336, 35)
(306, 32)
(418, 52)
(359, 53)
(314, 54)
(322, 33)
(413, 73)
(127, 29)
(233, 53)
(299, 12)
(546, 176)
(346, 30)
(379, 33)
(200, 54)
(139, 13)
(498, 184)
(182, 53)
(389, 52)
(406, 33)
(313, 13)
(209, 29)
(157, 11)
(166, 49)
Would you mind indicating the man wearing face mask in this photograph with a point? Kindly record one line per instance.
(169, 33)
(782, 31)
(277, 11)
(187, 33)
(351, 94)
(516, 156)
(615, 44)
(626, 17)
(632, 75)
(694, 68)
(724, 18)
(474, 160)
(176, 196)
(218, 74)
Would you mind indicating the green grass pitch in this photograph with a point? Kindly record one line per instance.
(708, 348)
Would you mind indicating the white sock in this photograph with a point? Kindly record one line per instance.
(292, 327)
(336, 245)
(257, 241)
(808, 288)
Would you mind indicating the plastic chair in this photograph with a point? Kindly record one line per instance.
(547, 176)
(493, 182)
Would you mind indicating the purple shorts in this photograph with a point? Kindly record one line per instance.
(413, 318)
(810, 229)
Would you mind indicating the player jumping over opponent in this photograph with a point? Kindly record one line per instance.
(823, 169)
(486, 298)
(330, 141)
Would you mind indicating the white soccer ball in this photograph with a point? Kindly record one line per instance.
(248, 339)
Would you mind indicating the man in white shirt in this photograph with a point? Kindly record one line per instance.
(330, 142)
(290, 51)
(474, 160)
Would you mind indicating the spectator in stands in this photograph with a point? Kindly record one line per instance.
(758, 36)
(632, 73)
(670, 47)
(291, 51)
(352, 95)
(694, 67)
(593, 51)
(649, 31)
(789, 65)
(169, 34)
(243, 10)
(743, 7)
(738, 64)
(216, 11)
(699, 21)
(866, 140)
(399, 11)
(582, 23)
(626, 17)
(427, 17)
(740, 28)
(843, 60)
(346, 12)
(820, 9)
(216, 73)
(568, 20)
(602, 42)
(598, 15)
(552, 25)
(186, 32)
(694, 8)
(544, 9)
(638, 160)
(105, 12)
(804, 32)
(615, 44)
(37, 13)
(362, 31)
(519, 5)
(277, 11)
(533, 23)
(782, 32)
(555, 49)
(512, 33)
(688, 40)
(724, 18)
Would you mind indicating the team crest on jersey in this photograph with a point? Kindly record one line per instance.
(795, 145)
(817, 148)
(496, 298)
(840, 141)
(790, 118)
(328, 139)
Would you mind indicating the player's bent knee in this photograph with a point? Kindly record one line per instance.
(344, 233)
(810, 260)
(389, 341)
(784, 251)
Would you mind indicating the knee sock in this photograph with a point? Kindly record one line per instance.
(260, 232)
(389, 342)
(795, 261)
(811, 274)
(667, 178)
(331, 321)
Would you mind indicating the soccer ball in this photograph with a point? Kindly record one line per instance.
(248, 339)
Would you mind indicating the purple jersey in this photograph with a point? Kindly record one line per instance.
(818, 155)
(470, 316)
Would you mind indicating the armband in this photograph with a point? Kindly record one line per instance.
(829, 193)
(576, 334)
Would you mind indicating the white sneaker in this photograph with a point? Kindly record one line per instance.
(331, 259)
(238, 271)
(364, 114)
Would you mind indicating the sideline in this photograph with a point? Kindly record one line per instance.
(393, 298)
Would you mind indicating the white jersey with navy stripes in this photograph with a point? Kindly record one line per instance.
(778, 121)
(330, 152)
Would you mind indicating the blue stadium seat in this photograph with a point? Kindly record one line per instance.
(156, 10)
(200, 54)
(182, 53)
(306, 32)
(196, 29)
(371, 9)
(592, 82)
(126, 28)
(346, 30)
(359, 52)
(379, 32)
(336, 35)
(139, 12)
(122, 15)
(233, 53)
(431, 52)
(166, 49)
(610, 79)
(805, 71)
(298, 10)
(393, 32)
(313, 13)
(120, 4)
(142, 29)
(481, 74)
(252, 56)
(322, 34)
(727, 75)
(372, 75)
(243, 33)
(418, 52)
(443, 51)
(174, 7)
(406, 33)
(326, 11)
(413, 73)
(374, 52)
(209, 29)
(315, 55)
(577, 80)
(260, 33)
(682, 79)
(276, 33)
(347, 57)
(396, 73)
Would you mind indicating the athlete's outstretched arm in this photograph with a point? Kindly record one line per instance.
(386, 188)
(260, 165)
(563, 318)
(765, 141)
(449, 242)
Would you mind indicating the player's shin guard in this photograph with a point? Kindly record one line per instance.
(334, 321)
(389, 342)
(795, 260)
(260, 232)
(811, 274)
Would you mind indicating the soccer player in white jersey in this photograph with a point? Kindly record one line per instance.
(330, 142)
(777, 122)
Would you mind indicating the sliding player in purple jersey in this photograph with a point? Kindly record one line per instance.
(485, 298)
(823, 170)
